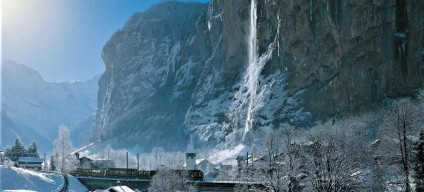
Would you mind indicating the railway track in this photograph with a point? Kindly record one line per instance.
(65, 183)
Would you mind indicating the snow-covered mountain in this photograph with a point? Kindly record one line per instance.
(222, 71)
(33, 109)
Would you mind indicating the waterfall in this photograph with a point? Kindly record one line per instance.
(253, 71)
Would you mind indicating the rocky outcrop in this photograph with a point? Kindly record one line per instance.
(183, 68)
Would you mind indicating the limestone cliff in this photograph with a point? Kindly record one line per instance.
(187, 68)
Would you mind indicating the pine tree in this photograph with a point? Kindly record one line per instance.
(419, 164)
(17, 150)
(33, 150)
(52, 165)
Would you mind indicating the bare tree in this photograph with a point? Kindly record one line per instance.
(293, 158)
(274, 172)
(335, 162)
(277, 165)
(399, 127)
(168, 180)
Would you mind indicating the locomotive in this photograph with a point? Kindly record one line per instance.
(196, 175)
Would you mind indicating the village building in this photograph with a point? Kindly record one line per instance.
(190, 156)
(87, 163)
(30, 162)
(209, 170)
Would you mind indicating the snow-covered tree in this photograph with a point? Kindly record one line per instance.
(8, 163)
(273, 169)
(293, 159)
(419, 164)
(332, 162)
(168, 180)
(33, 150)
(400, 125)
(63, 149)
(277, 165)
(158, 154)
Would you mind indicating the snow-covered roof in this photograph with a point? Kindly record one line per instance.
(203, 162)
(29, 165)
(119, 189)
(30, 159)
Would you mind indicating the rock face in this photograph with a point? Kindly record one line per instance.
(347, 54)
(33, 109)
(184, 68)
(151, 69)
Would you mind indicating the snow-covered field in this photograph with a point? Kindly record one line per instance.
(23, 179)
(227, 156)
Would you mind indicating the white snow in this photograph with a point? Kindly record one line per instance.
(24, 180)
(19, 179)
(227, 156)
(75, 185)
(120, 189)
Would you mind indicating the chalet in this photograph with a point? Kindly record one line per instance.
(30, 162)
(87, 163)
(210, 171)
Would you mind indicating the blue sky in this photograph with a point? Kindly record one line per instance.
(63, 39)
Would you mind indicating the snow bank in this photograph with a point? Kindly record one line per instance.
(18, 179)
(75, 185)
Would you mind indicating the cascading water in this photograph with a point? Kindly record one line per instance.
(253, 71)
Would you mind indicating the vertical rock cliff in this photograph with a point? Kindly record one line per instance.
(222, 71)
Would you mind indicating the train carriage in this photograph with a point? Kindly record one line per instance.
(133, 173)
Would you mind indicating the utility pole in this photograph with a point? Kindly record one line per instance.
(247, 158)
(138, 165)
(127, 161)
(108, 160)
(44, 161)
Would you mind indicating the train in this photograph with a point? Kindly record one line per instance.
(195, 175)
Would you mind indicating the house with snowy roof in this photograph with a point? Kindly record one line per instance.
(210, 171)
(88, 163)
(30, 162)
